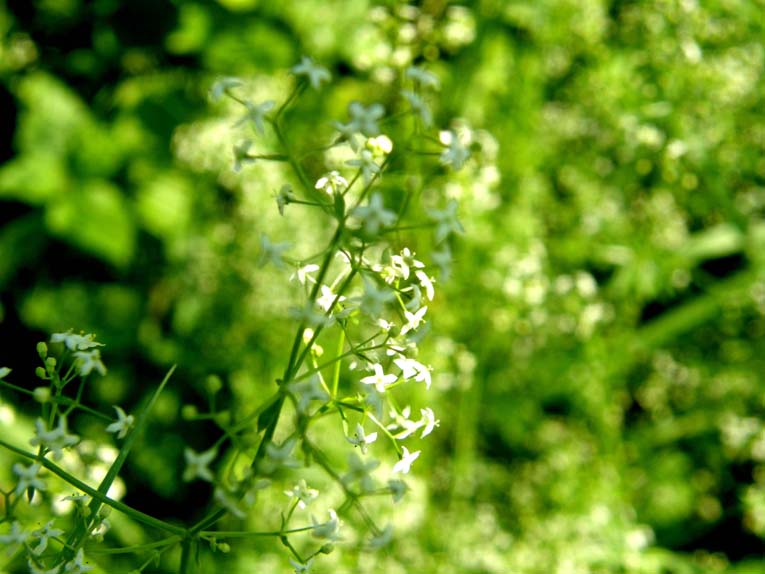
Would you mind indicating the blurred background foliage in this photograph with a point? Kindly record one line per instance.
(599, 346)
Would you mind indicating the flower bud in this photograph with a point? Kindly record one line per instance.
(41, 394)
(42, 350)
(188, 412)
(41, 373)
(327, 548)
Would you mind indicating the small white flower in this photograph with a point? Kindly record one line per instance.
(398, 489)
(302, 568)
(375, 215)
(16, 536)
(332, 183)
(230, 502)
(88, 361)
(328, 530)
(242, 155)
(411, 369)
(55, 440)
(446, 221)
(327, 299)
(302, 274)
(43, 535)
(429, 420)
(419, 107)
(413, 320)
(256, 115)
(427, 284)
(197, 464)
(284, 197)
(380, 146)
(359, 471)
(222, 86)
(405, 464)
(423, 77)
(271, 252)
(373, 300)
(76, 566)
(303, 494)
(123, 424)
(309, 391)
(75, 342)
(279, 456)
(456, 154)
(364, 119)
(366, 163)
(380, 380)
(382, 539)
(362, 439)
(313, 72)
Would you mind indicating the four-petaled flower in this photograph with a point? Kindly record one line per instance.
(328, 299)
(43, 535)
(366, 163)
(313, 72)
(419, 107)
(271, 252)
(302, 567)
(375, 215)
(284, 197)
(413, 320)
(446, 221)
(405, 464)
(89, 361)
(123, 424)
(364, 119)
(429, 421)
(241, 155)
(222, 86)
(362, 440)
(303, 494)
(75, 342)
(423, 77)
(16, 536)
(455, 154)
(55, 440)
(411, 369)
(380, 380)
(76, 566)
(256, 114)
(332, 183)
(327, 530)
(197, 464)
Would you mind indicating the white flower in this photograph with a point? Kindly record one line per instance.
(284, 197)
(427, 284)
(327, 530)
(413, 320)
(380, 380)
(15, 536)
(123, 424)
(55, 440)
(364, 119)
(302, 568)
(308, 391)
(405, 464)
(241, 155)
(197, 464)
(76, 566)
(398, 489)
(229, 501)
(271, 252)
(222, 86)
(256, 115)
(75, 342)
(361, 439)
(303, 493)
(358, 471)
(279, 455)
(328, 298)
(366, 163)
(446, 221)
(43, 535)
(313, 72)
(302, 274)
(332, 183)
(373, 300)
(423, 77)
(429, 420)
(88, 361)
(380, 146)
(4, 372)
(402, 262)
(382, 539)
(456, 154)
(411, 369)
(419, 107)
(375, 215)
